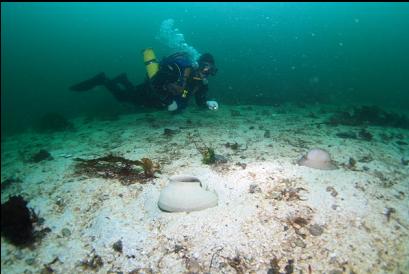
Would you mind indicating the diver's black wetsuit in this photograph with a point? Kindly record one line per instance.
(151, 93)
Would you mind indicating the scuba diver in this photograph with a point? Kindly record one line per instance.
(169, 83)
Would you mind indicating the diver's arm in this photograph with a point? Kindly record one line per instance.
(186, 75)
(200, 95)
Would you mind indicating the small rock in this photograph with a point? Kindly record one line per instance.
(366, 159)
(30, 261)
(254, 188)
(47, 270)
(220, 159)
(66, 232)
(351, 163)
(178, 248)
(300, 243)
(388, 212)
(276, 196)
(333, 259)
(19, 255)
(117, 246)
(233, 146)
(141, 271)
(315, 230)
(193, 266)
(331, 189)
(289, 268)
(96, 262)
(335, 271)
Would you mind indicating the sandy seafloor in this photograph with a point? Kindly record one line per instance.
(254, 221)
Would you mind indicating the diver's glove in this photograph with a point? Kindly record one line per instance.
(213, 105)
(173, 106)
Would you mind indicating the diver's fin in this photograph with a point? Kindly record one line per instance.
(97, 80)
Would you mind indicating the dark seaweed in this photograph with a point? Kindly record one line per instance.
(8, 182)
(52, 122)
(17, 221)
(365, 135)
(347, 135)
(41, 156)
(170, 132)
(369, 115)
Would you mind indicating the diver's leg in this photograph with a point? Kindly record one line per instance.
(140, 95)
(120, 86)
(122, 89)
(97, 80)
(145, 95)
(123, 81)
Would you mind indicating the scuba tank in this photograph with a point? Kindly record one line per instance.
(151, 64)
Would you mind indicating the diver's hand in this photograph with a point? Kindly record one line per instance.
(213, 105)
(173, 106)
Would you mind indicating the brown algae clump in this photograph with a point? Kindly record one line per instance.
(116, 167)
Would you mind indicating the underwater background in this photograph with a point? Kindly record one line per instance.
(303, 168)
(266, 53)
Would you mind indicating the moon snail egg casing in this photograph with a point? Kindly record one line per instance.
(185, 193)
(319, 159)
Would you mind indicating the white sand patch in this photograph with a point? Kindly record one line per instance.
(269, 207)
